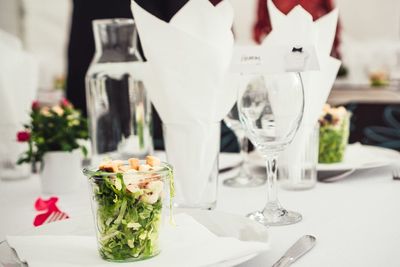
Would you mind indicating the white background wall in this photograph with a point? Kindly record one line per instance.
(9, 16)
(374, 24)
(43, 26)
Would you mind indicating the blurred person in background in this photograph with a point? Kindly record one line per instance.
(317, 8)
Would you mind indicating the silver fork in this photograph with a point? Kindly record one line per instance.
(396, 174)
(56, 216)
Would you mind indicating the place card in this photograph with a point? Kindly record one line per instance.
(275, 59)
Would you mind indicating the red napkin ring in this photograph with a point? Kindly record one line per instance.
(41, 204)
(49, 206)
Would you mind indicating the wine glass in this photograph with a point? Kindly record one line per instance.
(271, 108)
(244, 178)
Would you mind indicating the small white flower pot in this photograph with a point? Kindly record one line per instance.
(61, 172)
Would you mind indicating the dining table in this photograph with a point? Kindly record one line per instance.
(356, 220)
(345, 93)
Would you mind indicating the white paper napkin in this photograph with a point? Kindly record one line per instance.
(18, 86)
(188, 60)
(188, 82)
(298, 27)
(187, 244)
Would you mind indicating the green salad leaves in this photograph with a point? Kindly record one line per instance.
(128, 224)
(333, 141)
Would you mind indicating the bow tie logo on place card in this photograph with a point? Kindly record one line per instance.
(299, 49)
(296, 60)
(51, 212)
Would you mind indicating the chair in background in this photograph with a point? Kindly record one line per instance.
(383, 136)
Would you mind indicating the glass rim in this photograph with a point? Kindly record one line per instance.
(115, 21)
(94, 173)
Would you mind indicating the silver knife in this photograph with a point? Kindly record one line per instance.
(301, 247)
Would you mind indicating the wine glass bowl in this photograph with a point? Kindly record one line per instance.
(244, 178)
(271, 109)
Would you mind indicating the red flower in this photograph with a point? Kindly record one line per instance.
(65, 103)
(35, 105)
(23, 136)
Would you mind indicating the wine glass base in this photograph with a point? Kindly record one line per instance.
(276, 217)
(243, 182)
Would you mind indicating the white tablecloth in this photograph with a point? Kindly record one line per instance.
(356, 221)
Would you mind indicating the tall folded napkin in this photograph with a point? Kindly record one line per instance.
(298, 27)
(18, 85)
(187, 244)
(188, 82)
(188, 59)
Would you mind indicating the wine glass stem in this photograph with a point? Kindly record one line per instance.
(244, 148)
(272, 198)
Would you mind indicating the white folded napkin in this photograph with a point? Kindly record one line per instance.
(18, 86)
(188, 60)
(187, 244)
(298, 27)
(188, 82)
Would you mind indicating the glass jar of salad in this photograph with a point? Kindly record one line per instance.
(129, 201)
(333, 134)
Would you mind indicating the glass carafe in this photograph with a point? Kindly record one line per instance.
(118, 107)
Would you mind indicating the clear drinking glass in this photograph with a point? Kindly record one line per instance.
(10, 150)
(271, 108)
(118, 107)
(244, 178)
(298, 162)
(193, 150)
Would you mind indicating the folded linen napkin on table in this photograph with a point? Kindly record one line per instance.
(18, 85)
(189, 243)
(47, 208)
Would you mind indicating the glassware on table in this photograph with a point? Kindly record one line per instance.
(271, 108)
(244, 178)
(193, 150)
(129, 216)
(378, 68)
(119, 110)
(298, 169)
(10, 150)
(395, 72)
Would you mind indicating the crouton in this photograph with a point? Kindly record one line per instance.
(134, 163)
(108, 166)
(153, 161)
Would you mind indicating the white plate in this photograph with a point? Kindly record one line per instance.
(357, 157)
(220, 223)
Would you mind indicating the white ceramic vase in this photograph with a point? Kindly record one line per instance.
(61, 172)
